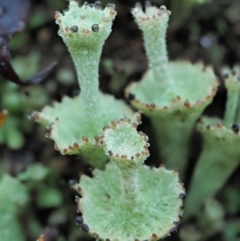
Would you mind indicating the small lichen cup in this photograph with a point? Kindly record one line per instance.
(221, 153)
(75, 123)
(172, 94)
(129, 200)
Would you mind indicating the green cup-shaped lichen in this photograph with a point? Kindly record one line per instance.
(84, 30)
(75, 124)
(128, 200)
(127, 157)
(70, 131)
(173, 95)
(221, 153)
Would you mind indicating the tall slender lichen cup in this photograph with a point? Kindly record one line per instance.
(221, 153)
(128, 200)
(173, 95)
(75, 123)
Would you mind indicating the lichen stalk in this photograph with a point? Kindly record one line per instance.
(122, 192)
(129, 180)
(172, 94)
(238, 110)
(86, 62)
(84, 30)
(177, 134)
(128, 159)
(217, 173)
(153, 23)
(231, 107)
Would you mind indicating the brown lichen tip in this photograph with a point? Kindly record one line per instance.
(3, 117)
(78, 146)
(35, 116)
(187, 103)
(41, 238)
(122, 141)
(151, 13)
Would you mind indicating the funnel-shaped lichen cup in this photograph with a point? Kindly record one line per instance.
(129, 200)
(76, 123)
(172, 94)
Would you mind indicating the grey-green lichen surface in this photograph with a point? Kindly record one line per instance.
(128, 200)
(76, 123)
(70, 131)
(221, 153)
(172, 94)
(85, 26)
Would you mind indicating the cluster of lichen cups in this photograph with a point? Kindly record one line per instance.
(124, 191)
(75, 123)
(173, 95)
(128, 200)
(221, 153)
